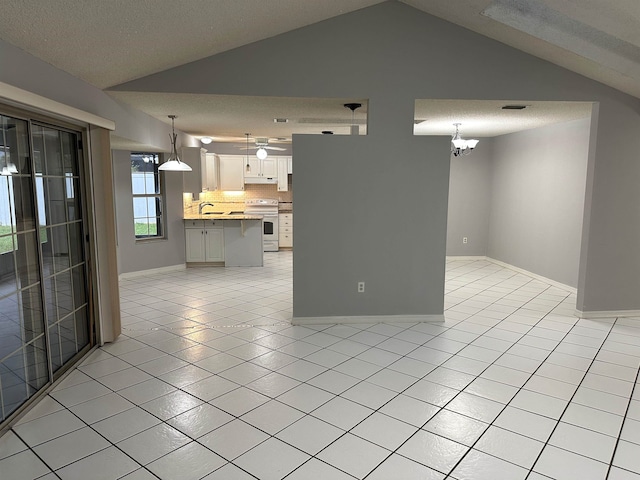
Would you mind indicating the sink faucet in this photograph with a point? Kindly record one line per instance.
(204, 204)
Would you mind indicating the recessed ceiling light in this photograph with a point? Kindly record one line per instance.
(280, 120)
(514, 107)
(206, 140)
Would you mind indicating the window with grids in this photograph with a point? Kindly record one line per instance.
(148, 196)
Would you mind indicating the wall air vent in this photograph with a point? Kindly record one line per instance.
(514, 107)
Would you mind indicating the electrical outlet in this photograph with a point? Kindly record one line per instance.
(465, 240)
(360, 287)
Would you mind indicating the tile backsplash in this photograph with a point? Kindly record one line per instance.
(235, 200)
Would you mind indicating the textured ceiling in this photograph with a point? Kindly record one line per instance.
(110, 42)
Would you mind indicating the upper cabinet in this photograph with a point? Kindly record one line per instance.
(261, 171)
(231, 168)
(210, 173)
(195, 157)
(283, 168)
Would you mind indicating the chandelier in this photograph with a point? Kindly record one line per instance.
(460, 146)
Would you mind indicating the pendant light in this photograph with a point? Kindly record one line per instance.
(355, 129)
(174, 164)
(248, 168)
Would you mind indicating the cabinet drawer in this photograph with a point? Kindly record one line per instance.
(285, 230)
(194, 224)
(285, 240)
(213, 223)
(286, 217)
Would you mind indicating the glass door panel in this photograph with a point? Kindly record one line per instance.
(44, 308)
(58, 192)
(23, 361)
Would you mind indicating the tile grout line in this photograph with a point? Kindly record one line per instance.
(546, 443)
(626, 412)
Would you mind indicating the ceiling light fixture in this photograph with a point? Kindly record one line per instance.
(261, 153)
(355, 129)
(206, 140)
(460, 146)
(174, 164)
(248, 167)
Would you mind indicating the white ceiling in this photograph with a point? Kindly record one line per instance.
(108, 43)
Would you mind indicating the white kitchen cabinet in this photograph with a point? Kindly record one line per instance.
(283, 181)
(210, 173)
(204, 241)
(289, 164)
(195, 157)
(261, 170)
(285, 230)
(231, 169)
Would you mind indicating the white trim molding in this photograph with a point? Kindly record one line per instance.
(368, 319)
(469, 258)
(534, 275)
(151, 271)
(608, 314)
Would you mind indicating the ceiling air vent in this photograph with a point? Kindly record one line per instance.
(514, 107)
(280, 120)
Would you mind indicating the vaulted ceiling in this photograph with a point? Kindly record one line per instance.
(109, 43)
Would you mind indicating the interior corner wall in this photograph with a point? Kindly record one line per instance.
(470, 201)
(347, 231)
(33, 75)
(136, 256)
(537, 199)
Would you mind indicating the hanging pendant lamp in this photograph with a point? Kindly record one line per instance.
(355, 129)
(174, 164)
(248, 167)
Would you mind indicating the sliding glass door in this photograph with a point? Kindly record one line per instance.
(44, 298)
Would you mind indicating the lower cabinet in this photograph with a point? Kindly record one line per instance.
(285, 230)
(204, 241)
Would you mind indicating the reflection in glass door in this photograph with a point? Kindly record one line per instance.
(42, 258)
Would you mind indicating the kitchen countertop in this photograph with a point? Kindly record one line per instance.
(221, 216)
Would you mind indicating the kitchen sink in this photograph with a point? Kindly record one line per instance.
(236, 213)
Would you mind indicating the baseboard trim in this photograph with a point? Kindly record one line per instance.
(368, 319)
(534, 275)
(607, 313)
(151, 271)
(466, 257)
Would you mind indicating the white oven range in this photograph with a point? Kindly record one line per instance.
(268, 208)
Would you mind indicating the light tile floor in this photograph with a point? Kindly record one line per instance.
(210, 380)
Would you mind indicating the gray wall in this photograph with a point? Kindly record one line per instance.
(391, 53)
(347, 230)
(34, 75)
(537, 199)
(135, 256)
(470, 201)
